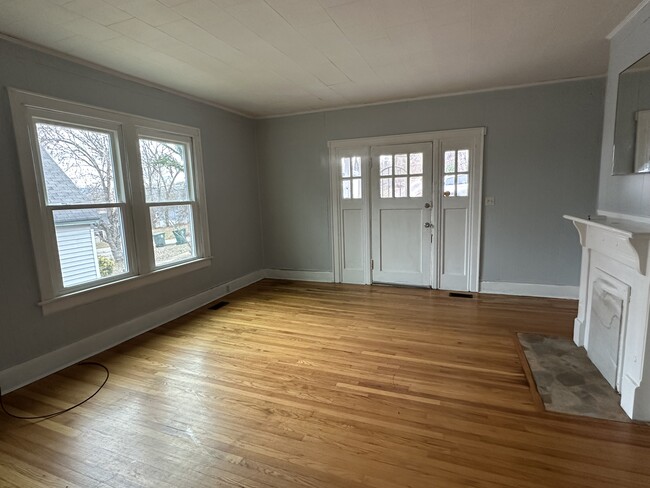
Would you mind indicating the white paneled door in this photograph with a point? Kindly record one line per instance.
(401, 202)
(406, 209)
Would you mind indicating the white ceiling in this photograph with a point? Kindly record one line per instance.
(271, 57)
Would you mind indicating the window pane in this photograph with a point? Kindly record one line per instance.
(401, 164)
(345, 167)
(450, 185)
(78, 165)
(90, 244)
(416, 163)
(450, 161)
(164, 170)
(385, 165)
(415, 186)
(462, 185)
(172, 231)
(400, 187)
(346, 190)
(386, 188)
(463, 161)
(356, 166)
(356, 188)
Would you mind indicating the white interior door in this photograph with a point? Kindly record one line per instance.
(401, 200)
(456, 155)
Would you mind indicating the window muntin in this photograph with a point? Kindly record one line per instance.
(401, 175)
(103, 199)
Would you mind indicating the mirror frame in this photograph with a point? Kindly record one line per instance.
(630, 167)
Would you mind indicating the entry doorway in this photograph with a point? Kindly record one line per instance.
(406, 209)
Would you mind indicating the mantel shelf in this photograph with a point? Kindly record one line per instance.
(636, 234)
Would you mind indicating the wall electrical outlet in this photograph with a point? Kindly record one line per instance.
(489, 201)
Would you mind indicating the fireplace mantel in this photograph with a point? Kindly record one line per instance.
(632, 239)
(617, 251)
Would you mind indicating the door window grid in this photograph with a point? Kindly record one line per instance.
(456, 177)
(401, 175)
(351, 177)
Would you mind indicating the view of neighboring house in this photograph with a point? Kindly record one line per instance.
(75, 234)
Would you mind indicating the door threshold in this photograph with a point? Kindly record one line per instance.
(400, 285)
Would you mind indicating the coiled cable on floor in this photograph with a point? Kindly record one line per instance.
(54, 414)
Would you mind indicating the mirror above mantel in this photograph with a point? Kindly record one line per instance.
(632, 127)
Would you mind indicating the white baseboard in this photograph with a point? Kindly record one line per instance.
(37, 368)
(290, 274)
(616, 215)
(530, 290)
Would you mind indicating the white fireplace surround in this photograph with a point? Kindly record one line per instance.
(615, 252)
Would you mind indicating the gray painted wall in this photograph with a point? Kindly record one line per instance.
(627, 194)
(541, 161)
(232, 192)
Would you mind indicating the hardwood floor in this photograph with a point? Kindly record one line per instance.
(320, 385)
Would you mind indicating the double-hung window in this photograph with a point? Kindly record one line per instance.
(114, 200)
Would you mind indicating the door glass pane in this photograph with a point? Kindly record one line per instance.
(450, 161)
(462, 185)
(90, 243)
(463, 161)
(401, 164)
(356, 166)
(164, 170)
(385, 165)
(416, 163)
(415, 186)
(347, 194)
(356, 188)
(386, 188)
(78, 164)
(345, 167)
(172, 232)
(450, 185)
(400, 187)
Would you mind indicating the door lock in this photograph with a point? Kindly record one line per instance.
(428, 225)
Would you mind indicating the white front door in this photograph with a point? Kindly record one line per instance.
(401, 201)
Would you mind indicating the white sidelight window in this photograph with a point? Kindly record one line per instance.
(114, 200)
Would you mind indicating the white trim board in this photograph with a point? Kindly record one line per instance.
(627, 19)
(37, 368)
(299, 275)
(616, 215)
(530, 290)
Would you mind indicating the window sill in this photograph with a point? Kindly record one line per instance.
(113, 288)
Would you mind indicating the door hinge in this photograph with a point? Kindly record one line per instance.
(372, 264)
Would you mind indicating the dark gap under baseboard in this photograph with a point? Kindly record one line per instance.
(455, 294)
(218, 305)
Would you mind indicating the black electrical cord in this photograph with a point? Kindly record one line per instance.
(54, 414)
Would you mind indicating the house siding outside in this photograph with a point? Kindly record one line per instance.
(77, 254)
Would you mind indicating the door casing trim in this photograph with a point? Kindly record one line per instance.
(434, 137)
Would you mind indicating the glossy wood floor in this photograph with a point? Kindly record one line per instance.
(320, 385)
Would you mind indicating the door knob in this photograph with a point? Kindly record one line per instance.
(446, 194)
(427, 205)
(428, 225)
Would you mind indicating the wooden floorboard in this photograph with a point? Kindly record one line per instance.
(320, 385)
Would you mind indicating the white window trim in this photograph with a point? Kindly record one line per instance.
(25, 106)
